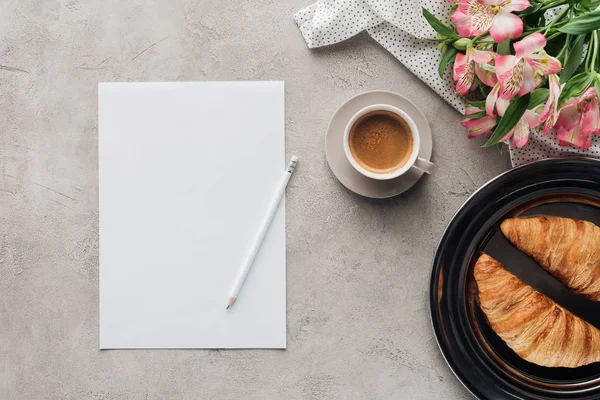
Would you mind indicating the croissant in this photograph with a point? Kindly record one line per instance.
(535, 327)
(568, 249)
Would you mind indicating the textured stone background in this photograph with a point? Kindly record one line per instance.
(358, 269)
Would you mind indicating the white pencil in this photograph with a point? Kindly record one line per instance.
(260, 235)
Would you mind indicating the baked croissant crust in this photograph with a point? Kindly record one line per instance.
(532, 325)
(568, 249)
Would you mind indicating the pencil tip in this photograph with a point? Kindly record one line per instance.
(230, 301)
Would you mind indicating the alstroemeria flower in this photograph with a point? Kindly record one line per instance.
(467, 66)
(478, 126)
(520, 132)
(579, 119)
(474, 17)
(550, 113)
(522, 73)
(494, 104)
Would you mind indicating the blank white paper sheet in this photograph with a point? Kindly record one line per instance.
(186, 173)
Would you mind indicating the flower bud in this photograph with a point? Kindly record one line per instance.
(462, 43)
(442, 47)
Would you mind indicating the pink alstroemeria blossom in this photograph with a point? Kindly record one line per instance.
(474, 17)
(520, 132)
(550, 113)
(478, 126)
(467, 66)
(579, 119)
(522, 73)
(494, 104)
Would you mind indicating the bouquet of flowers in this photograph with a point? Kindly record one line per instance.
(534, 63)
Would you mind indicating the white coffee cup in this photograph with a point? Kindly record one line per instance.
(414, 161)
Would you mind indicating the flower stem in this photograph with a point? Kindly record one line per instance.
(595, 54)
(560, 16)
(479, 36)
(564, 49)
(554, 36)
(528, 31)
(590, 51)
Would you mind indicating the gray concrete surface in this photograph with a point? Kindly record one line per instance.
(358, 269)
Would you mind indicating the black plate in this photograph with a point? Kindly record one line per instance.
(480, 359)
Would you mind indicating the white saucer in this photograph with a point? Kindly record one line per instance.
(344, 171)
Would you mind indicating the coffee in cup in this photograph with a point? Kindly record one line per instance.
(382, 142)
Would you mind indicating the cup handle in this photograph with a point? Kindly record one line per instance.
(423, 165)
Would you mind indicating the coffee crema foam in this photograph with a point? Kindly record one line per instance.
(381, 141)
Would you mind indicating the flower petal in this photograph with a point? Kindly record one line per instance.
(531, 118)
(550, 108)
(459, 65)
(462, 22)
(481, 15)
(501, 106)
(506, 25)
(550, 122)
(510, 78)
(464, 75)
(485, 76)
(591, 119)
(479, 126)
(530, 80)
(574, 136)
(471, 110)
(482, 57)
(516, 5)
(589, 94)
(568, 117)
(530, 44)
(543, 64)
(521, 133)
(504, 64)
(490, 102)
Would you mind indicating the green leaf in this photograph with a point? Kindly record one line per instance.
(477, 103)
(538, 97)
(500, 145)
(512, 116)
(586, 4)
(447, 58)
(504, 47)
(573, 60)
(576, 86)
(438, 25)
(582, 24)
(479, 114)
(597, 85)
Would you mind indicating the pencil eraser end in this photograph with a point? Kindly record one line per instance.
(294, 159)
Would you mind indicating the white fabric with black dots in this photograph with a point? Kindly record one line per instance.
(398, 25)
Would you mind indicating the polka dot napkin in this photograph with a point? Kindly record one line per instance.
(398, 25)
